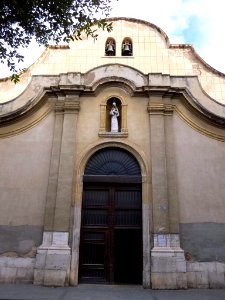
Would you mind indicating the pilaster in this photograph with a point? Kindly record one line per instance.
(124, 118)
(53, 256)
(66, 165)
(168, 265)
(157, 111)
(54, 168)
(102, 128)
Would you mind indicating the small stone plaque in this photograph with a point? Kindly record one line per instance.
(162, 240)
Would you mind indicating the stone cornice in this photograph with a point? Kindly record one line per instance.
(189, 89)
(72, 85)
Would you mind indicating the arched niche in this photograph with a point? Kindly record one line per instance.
(105, 117)
(111, 103)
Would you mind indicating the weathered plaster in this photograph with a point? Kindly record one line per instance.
(203, 242)
(20, 241)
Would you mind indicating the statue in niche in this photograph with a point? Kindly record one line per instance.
(114, 113)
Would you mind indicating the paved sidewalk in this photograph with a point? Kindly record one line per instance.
(103, 292)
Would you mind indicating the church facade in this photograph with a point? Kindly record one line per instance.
(112, 164)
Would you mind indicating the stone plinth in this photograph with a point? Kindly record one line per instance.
(168, 270)
(53, 260)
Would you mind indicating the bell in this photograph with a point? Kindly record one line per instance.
(109, 49)
(126, 49)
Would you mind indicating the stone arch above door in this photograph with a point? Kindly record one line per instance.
(131, 148)
(112, 161)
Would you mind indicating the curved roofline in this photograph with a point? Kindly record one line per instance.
(149, 24)
(44, 52)
(144, 23)
(171, 46)
(197, 56)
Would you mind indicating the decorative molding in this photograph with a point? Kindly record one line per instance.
(160, 108)
(26, 110)
(188, 113)
(199, 127)
(25, 124)
(113, 134)
(136, 82)
(62, 106)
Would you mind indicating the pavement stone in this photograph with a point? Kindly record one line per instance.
(103, 292)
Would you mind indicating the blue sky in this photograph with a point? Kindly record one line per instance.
(193, 34)
(197, 22)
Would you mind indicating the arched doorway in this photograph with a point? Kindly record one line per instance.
(111, 223)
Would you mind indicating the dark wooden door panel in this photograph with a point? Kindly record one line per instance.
(93, 256)
(127, 256)
(111, 231)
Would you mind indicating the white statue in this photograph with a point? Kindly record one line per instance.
(114, 113)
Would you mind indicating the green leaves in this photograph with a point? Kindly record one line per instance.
(46, 21)
(15, 77)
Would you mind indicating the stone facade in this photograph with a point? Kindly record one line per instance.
(172, 121)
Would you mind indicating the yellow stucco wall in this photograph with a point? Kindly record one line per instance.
(25, 161)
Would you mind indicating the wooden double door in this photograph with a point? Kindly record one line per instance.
(111, 234)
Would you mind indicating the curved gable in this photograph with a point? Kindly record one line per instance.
(152, 53)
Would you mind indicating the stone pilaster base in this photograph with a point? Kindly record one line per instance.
(53, 260)
(168, 269)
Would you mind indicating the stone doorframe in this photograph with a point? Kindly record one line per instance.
(146, 206)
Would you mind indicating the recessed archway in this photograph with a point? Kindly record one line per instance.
(81, 164)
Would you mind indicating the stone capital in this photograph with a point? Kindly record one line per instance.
(160, 108)
(67, 105)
